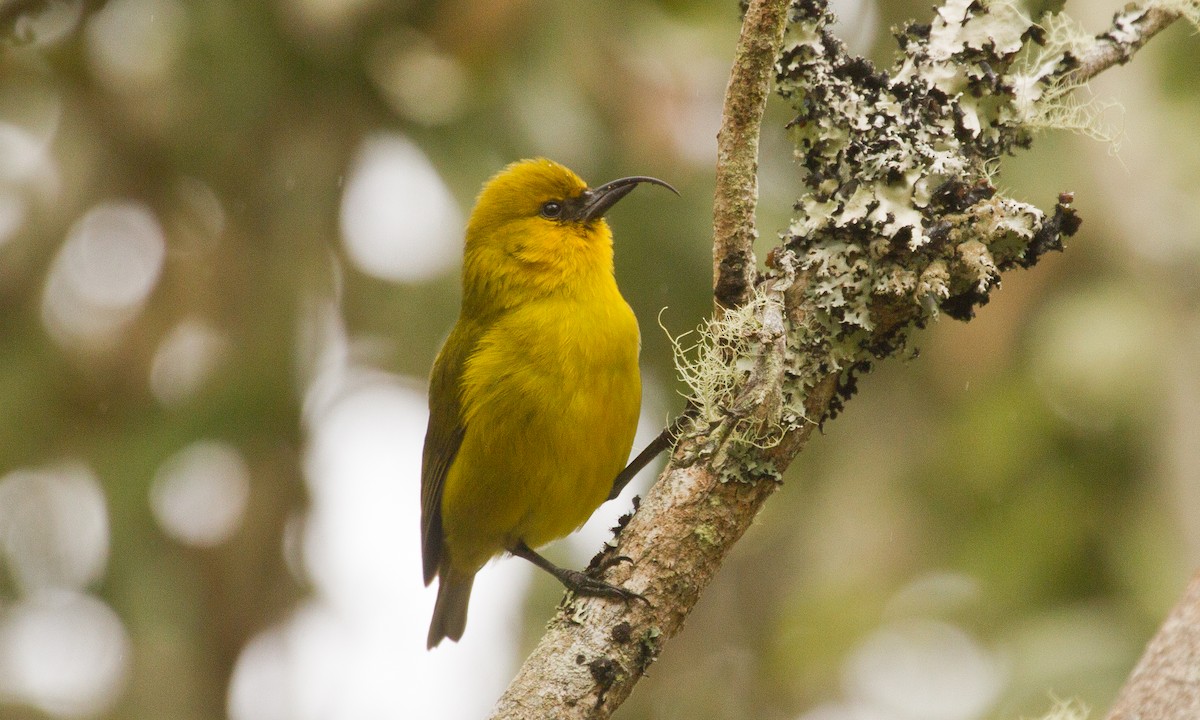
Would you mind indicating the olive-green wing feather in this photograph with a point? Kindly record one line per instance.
(442, 440)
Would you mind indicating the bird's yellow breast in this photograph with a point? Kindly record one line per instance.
(551, 397)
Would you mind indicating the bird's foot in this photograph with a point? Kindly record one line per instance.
(578, 582)
(584, 584)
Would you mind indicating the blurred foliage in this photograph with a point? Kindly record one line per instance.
(1030, 478)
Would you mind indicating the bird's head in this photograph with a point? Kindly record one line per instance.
(536, 225)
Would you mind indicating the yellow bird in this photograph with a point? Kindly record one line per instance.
(534, 398)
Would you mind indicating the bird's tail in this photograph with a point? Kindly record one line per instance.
(450, 610)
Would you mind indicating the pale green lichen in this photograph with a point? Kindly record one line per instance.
(934, 282)
(1067, 710)
(978, 261)
(1045, 99)
(717, 365)
(898, 163)
(706, 534)
(901, 223)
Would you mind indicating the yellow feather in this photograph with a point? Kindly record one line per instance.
(534, 399)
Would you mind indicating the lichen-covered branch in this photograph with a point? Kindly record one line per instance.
(736, 195)
(1165, 685)
(900, 224)
(1131, 29)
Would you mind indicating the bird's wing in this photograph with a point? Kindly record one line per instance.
(442, 440)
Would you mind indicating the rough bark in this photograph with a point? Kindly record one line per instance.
(1165, 685)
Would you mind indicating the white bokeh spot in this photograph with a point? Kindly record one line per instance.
(103, 273)
(135, 43)
(64, 652)
(185, 358)
(54, 530)
(398, 219)
(199, 495)
(920, 669)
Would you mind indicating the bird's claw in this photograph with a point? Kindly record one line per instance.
(582, 584)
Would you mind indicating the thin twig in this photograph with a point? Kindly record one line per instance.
(665, 439)
(1131, 29)
(736, 197)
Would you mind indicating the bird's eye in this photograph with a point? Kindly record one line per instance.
(551, 210)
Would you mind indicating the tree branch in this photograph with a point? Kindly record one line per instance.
(1131, 29)
(734, 264)
(899, 225)
(1165, 685)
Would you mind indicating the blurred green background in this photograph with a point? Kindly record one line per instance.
(229, 236)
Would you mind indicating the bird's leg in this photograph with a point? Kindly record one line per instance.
(664, 440)
(575, 581)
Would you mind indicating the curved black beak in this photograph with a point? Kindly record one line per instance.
(594, 202)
